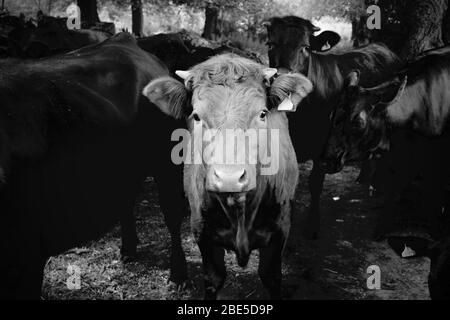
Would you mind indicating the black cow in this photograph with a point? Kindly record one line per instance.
(77, 139)
(14, 32)
(407, 120)
(294, 47)
(53, 37)
(182, 50)
(407, 115)
(170, 48)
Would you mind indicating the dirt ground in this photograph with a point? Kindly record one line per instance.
(332, 267)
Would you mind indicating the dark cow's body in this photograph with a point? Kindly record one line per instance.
(182, 50)
(407, 116)
(51, 36)
(76, 142)
(293, 46)
(170, 48)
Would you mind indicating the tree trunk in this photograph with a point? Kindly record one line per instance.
(361, 35)
(137, 17)
(211, 19)
(424, 24)
(49, 7)
(3, 4)
(89, 14)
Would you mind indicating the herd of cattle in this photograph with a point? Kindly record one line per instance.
(85, 117)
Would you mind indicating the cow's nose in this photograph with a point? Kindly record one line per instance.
(228, 179)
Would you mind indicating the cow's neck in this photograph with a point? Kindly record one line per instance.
(325, 75)
(424, 116)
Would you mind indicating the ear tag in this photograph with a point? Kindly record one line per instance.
(408, 252)
(287, 105)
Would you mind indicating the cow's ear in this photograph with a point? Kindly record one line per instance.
(269, 73)
(170, 95)
(288, 90)
(400, 91)
(325, 41)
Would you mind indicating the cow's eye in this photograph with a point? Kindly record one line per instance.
(263, 115)
(270, 45)
(196, 117)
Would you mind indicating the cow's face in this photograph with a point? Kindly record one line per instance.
(228, 110)
(225, 98)
(360, 125)
(291, 41)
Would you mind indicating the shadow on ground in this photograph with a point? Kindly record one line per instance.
(332, 267)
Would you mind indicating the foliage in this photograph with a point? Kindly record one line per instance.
(312, 9)
(240, 19)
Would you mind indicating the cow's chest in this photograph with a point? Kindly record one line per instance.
(229, 227)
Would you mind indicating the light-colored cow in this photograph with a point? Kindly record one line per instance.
(239, 206)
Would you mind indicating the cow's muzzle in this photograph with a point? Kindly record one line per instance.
(231, 178)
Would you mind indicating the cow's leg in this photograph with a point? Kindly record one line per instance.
(394, 182)
(434, 177)
(316, 179)
(214, 267)
(397, 169)
(130, 240)
(171, 200)
(128, 230)
(270, 265)
(432, 205)
(29, 285)
(25, 268)
(366, 174)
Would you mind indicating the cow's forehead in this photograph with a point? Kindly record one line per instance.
(227, 87)
(219, 104)
(226, 69)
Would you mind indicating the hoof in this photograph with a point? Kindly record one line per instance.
(128, 255)
(181, 284)
(129, 258)
(310, 234)
(184, 286)
(210, 296)
(181, 287)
